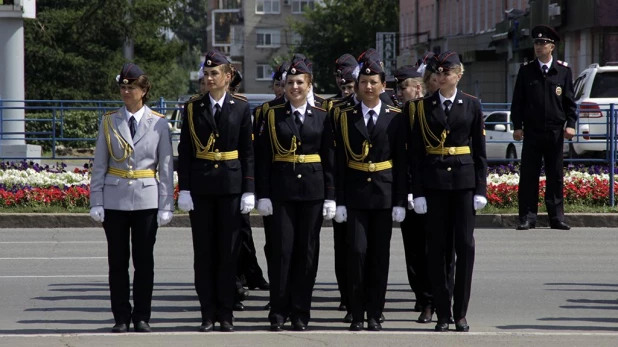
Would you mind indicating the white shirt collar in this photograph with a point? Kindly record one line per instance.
(213, 101)
(551, 60)
(301, 110)
(443, 99)
(138, 115)
(366, 110)
(356, 101)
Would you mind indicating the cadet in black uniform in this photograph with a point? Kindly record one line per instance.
(542, 104)
(215, 167)
(371, 191)
(449, 181)
(295, 184)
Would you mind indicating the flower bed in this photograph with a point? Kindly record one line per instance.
(26, 184)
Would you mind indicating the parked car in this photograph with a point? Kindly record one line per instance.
(499, 137)
(595, 89)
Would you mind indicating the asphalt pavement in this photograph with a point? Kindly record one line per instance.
(539, 288)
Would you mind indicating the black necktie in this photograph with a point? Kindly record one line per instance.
(217, 114)
(545, 68)
(447, 107)
(370, 123)
(299, 123)
(132, 126)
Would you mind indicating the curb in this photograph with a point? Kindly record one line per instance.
(493, 221)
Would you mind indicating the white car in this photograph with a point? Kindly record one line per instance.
(499, 137)
(595, 89)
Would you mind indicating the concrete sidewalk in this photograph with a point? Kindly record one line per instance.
(83, 220)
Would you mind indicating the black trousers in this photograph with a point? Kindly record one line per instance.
(341, 251)
(126, 232)
(450, 224)
(415, 248)
(248, 266)
(293, 241)
(215, 229)
(368, 237)
(539, 146)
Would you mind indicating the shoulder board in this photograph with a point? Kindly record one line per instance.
(319, 97)
(195, 97)
(109, 113)
(318, 108)
(394, 109)
(347, 109)
(277, 106)
(563, 63)
(157, 114)
(240, 97)
(524, 63)
(472, 96)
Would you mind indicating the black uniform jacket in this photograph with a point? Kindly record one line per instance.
(379, 189)
(286, 181)
(258, 113)
(464, 127)
(207, 177)
(541, 103)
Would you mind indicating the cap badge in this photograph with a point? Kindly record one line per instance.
(209, 62)
(440, 69)
(558, 91)
(368, 70)
(292, 71)
(460, 101)
(232, 102)
(125, 81)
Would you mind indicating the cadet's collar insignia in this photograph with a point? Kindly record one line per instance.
(125, 81)
(387, 110)
(208, 62)
(293, 71)
(287, 112)
(202, 105)
(434, 103)
(348, 104)
(309, 111)
(460, 101)
(440, 69)
(231, 101)
(368, 70)
(354, 112)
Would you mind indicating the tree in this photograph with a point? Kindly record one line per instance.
(339, 27)
(74, 49)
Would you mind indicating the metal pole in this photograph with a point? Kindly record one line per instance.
(612, 154)
(12, 80)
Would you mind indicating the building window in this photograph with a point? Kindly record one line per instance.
(264, 72)
(267, 6)
(268, 38)
(299, 6)
(297, 39)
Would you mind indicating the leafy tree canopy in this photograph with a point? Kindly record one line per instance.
(339, 27)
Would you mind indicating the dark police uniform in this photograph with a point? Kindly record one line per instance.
(541, 105)
(371, 180)
(449, 168)
(295, 170)
(215, 163)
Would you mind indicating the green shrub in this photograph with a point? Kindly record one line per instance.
(67, 124)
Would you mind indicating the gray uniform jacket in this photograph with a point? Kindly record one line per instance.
(152, 149)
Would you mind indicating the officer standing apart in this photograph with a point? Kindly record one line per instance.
(295, 184)
(371, 191)
(542, 104)
(133, 145)
(448, 165)
(215, 177)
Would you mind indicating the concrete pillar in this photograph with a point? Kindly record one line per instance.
(12, 80)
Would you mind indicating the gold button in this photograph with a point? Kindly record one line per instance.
(130, 167)
(369, 179)
(451, 151)
(448, 169)
(299, 143)
(299, 176)
(369, 162)
(216, 151)
(130, 182)
(216, 166)
(370, 146)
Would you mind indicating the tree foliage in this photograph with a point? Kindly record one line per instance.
(339, 27)
(75, 48)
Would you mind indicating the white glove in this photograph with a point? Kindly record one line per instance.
(185, 203)
(420, 205)
(341, 214)
(479, 202)
(247, 203)
(399, 214)
(410, 202)
(265, 207)
(164, 217)
(97, 213)
(329, 209)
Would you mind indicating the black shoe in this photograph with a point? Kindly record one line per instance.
(206, 327)
(356, 326)
(426, 315)
(524, 226)
(120, 328)
(560, 225)
(342, 307)
(141, 327)
(267, 307)
(442, 325)
(226, 327)
(242, 294)
(348, 318)
(262, 285)
(382, 319)
(276, 327)
(462, 325)
(372, 325)
(451, 320)
(299, 326)
(418, 307)
(238, 306)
